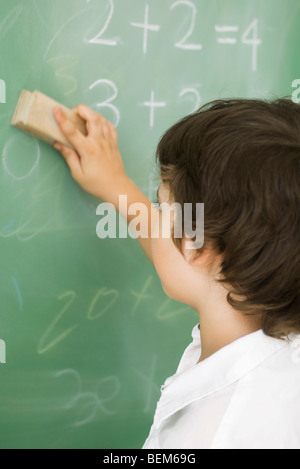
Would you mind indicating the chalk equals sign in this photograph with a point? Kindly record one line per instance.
(227, 29)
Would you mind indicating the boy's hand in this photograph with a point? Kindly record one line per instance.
(96, 165)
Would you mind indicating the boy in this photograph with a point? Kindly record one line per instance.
(238, 383)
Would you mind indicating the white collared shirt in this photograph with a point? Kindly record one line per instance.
(245, 396)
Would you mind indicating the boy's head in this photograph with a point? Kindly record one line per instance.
(241, 158)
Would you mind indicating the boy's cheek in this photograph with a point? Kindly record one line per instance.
(164, 260)
(173, 271)
(160, 260)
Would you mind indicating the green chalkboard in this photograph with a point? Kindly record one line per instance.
(87, 333)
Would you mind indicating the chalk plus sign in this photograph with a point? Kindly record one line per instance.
(147, 27)
(152, 105)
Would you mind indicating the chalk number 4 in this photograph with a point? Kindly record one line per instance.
(252, 41)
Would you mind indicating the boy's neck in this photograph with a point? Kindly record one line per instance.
(222, 326)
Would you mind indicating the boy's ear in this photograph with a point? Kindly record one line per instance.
(204, 257)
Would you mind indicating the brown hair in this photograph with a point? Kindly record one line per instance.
(241, 158)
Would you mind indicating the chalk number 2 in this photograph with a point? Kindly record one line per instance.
(182, 44)
(98, 39)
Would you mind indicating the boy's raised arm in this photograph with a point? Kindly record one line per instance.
(97, 165)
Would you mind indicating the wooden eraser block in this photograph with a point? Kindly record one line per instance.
(34, 115)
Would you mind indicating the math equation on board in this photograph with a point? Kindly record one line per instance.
(225, 36)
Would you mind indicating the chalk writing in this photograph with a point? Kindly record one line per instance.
(8, 226)
(33, 232)
(98, 39)
(103, 292)
(191, 92)
(146, 27)
(63, 66)
(254, 41)
(2, 92)
(56, 35)
(194, 93)
(89, 403)
(93, 313)
(152, 104)
(19, 294)
(182, 44)
(10, 19)
(142, 295)
(226, 29)
(249, 37)
(5, 233)
(2, 351)
(107, 103)
(43, 346)
(9, 152)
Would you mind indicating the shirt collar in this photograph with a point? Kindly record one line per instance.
(221, 369)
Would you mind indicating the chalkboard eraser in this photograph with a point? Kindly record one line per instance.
(34, 115)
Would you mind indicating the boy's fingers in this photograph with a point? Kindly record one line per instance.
(86, 112)
(113, 132)
(71, 158)
(73, 135)
(94, 121)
